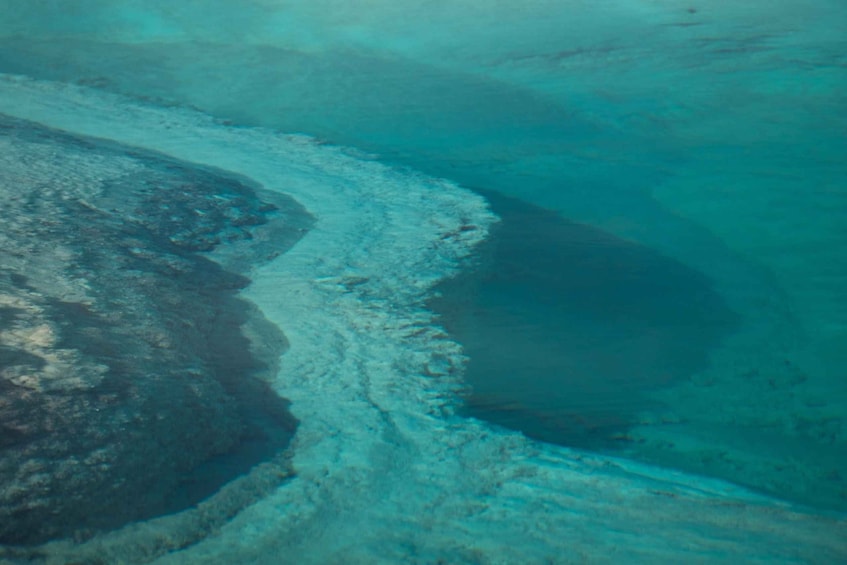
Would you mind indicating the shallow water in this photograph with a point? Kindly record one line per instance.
(664, 283)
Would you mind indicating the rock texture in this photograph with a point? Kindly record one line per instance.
(125, 373)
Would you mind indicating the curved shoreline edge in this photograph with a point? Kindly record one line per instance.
(129, 388)
(384, 469)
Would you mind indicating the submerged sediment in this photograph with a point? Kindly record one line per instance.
(124, 363)
(386, 471)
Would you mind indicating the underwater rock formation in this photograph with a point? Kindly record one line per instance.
(124, 365)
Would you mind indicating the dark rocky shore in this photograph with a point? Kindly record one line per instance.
(128, 385)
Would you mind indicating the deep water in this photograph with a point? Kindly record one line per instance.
(568, 329)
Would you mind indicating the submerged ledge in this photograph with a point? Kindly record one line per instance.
(385, 471)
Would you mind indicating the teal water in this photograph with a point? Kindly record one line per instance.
(569, 329)
(668, 279)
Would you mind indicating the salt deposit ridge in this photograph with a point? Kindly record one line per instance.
(384, 470)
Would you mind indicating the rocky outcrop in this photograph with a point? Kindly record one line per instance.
(125, 373)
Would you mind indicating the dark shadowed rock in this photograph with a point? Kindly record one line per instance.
(127, 386)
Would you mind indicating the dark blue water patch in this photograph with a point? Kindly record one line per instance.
(568, 328)
(129, 386)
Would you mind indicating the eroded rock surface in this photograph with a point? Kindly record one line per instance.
(124, 366)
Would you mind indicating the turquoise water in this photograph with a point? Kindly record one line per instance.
(665, 280)
(569, 329)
